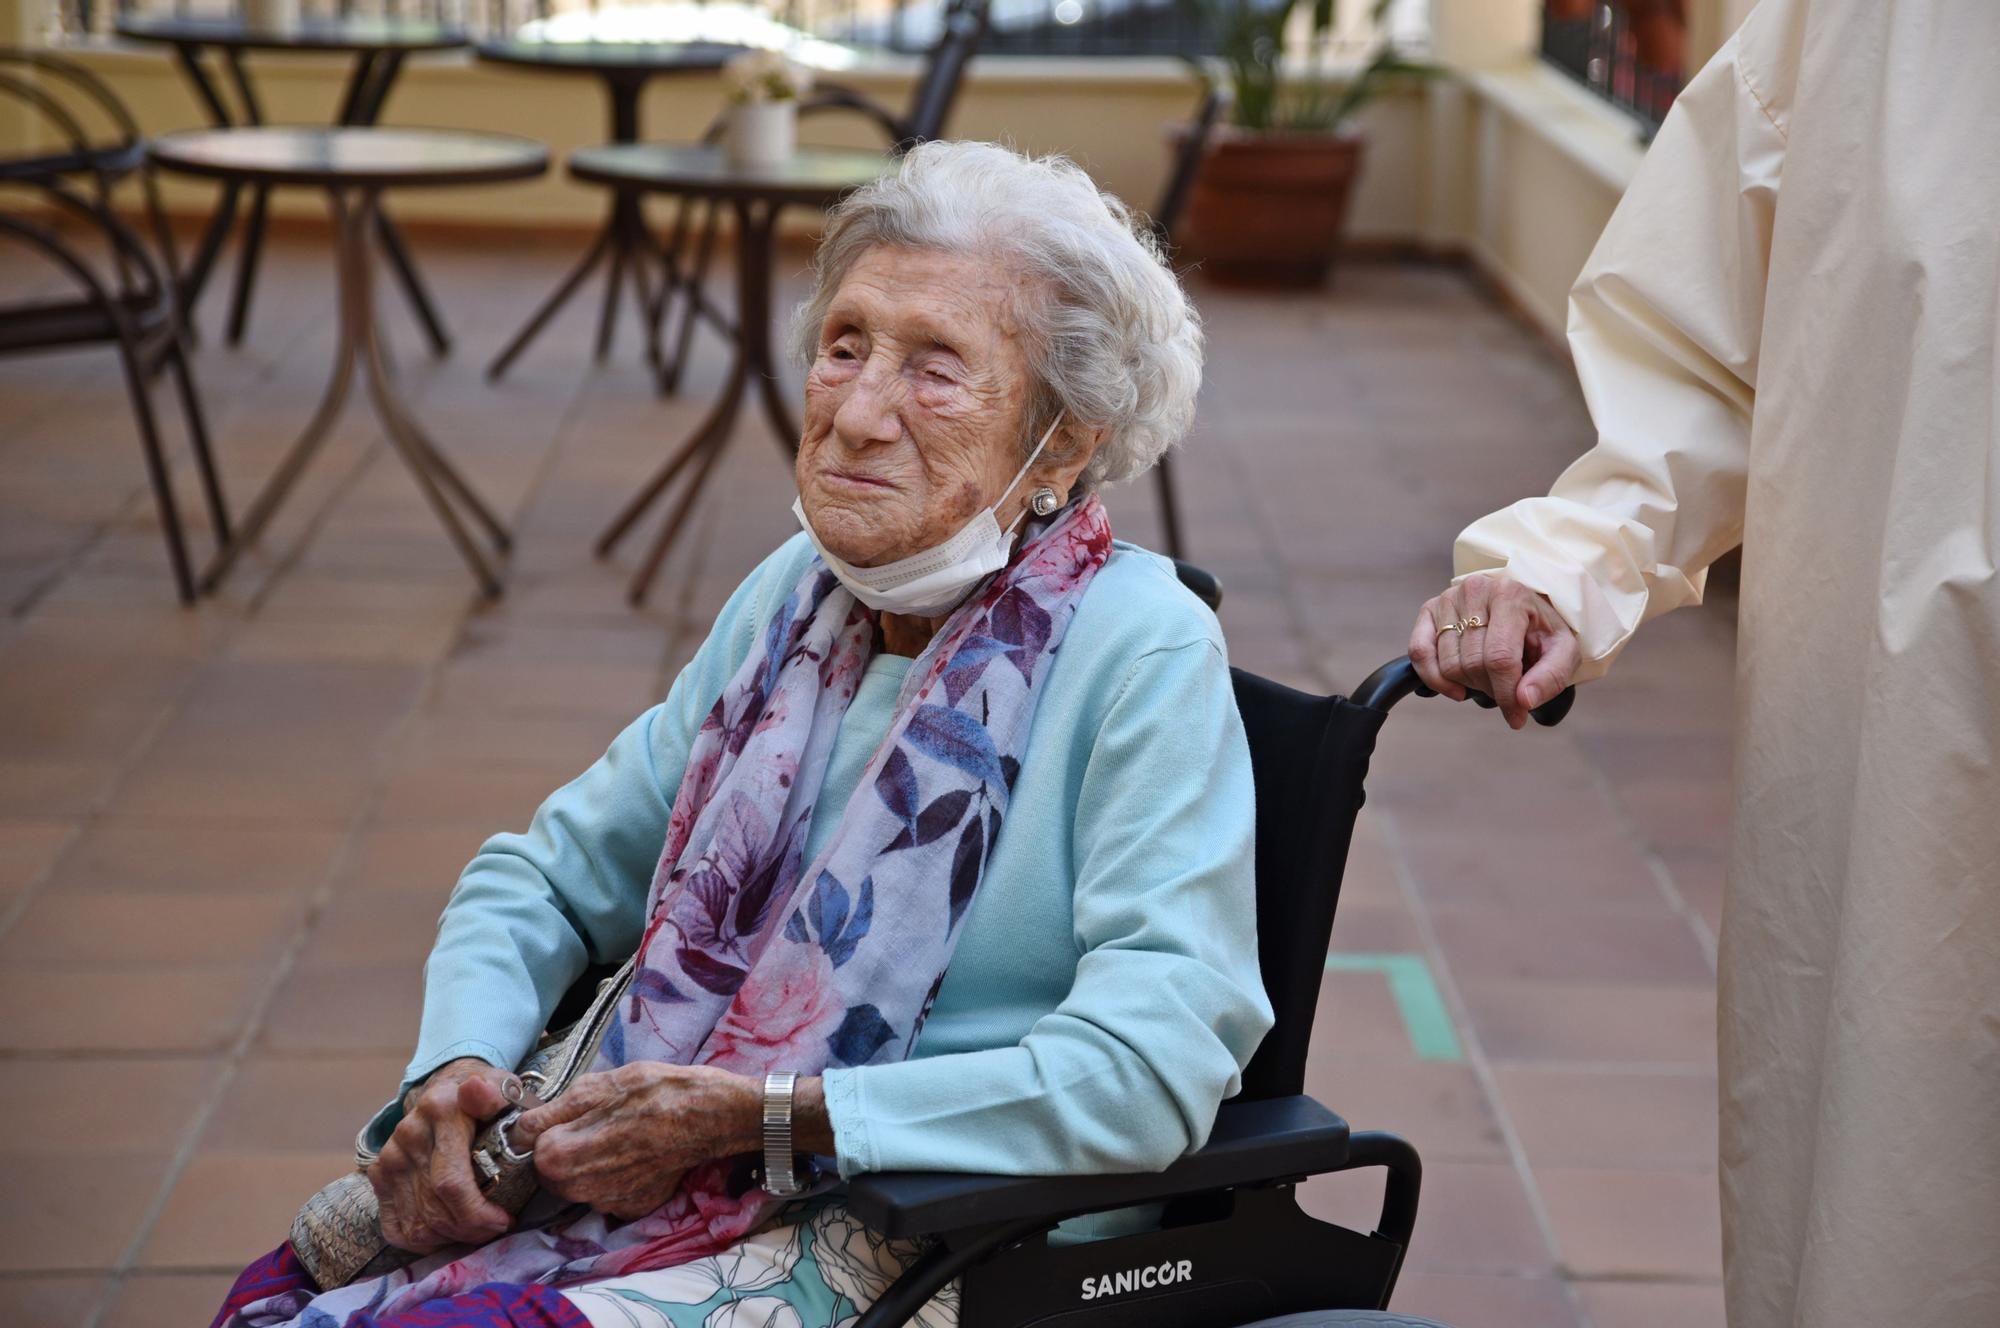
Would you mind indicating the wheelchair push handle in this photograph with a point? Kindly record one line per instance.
(1398, 679)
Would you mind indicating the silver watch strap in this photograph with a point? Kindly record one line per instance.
(779, 1154)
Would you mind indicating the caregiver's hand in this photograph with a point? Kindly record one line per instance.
(1523, 655)
(620, 1140)
(423, 1179)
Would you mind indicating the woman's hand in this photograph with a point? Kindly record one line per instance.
(1523, 656)
(621, 1140)
(423, 1179)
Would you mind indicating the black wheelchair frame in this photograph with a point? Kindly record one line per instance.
(1233, 1246)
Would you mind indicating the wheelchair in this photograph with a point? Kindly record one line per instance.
(1232, 1247)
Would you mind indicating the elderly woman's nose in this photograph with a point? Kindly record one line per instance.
(870, 409)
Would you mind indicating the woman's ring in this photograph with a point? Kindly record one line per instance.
(1458, 627)
(1465, 625)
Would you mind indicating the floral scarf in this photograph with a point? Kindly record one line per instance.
(753, 959)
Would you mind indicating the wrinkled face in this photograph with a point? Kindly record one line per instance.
(916, 404)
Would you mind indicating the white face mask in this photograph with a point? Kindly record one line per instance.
(935, 581)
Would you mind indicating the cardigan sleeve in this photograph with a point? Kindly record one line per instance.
(1167, 1004)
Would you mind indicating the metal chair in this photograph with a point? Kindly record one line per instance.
(135, 306)
(931, 101)
(1166, 217)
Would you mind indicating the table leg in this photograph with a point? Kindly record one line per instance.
(195, 278)
(368, 88)
(260, 204)
(246, 262)
(621, 251)
(346, 352)
(360, 344)
(758, 254)
(757, 226)
(433, 474)
(615, 242)
(529, 331)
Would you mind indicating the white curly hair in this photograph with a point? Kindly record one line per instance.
(1118, 347)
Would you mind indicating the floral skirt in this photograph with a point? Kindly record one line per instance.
(818, 1268)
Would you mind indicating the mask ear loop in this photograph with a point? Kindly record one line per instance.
(1022, 474)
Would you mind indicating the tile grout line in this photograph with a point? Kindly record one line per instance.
(1476, 1058)
(391, 744)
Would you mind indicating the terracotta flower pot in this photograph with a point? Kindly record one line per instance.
(1661, 36)
(1269, 209)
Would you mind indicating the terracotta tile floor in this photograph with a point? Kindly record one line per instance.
(224, 834)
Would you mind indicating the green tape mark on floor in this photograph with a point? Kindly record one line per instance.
(1425, 1019)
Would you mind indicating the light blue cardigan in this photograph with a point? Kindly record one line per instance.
(1104, 996)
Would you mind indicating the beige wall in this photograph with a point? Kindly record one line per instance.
(1111, 116)
(1505, 160)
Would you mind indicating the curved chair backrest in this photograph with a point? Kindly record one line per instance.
(944, 71)
(99, 133)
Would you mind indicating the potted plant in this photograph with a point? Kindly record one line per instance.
(1269, 203)
(764, 92)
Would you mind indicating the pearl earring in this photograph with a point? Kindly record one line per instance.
(1044, 502)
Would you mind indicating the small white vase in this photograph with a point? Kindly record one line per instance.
(271, 15)
(762, 133)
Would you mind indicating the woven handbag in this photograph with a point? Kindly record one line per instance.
(338, 1234)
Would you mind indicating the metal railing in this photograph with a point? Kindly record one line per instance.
(1018, 27)
(1626, 51)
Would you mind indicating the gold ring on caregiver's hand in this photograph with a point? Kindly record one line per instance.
(1467, 624)
(1458, 627)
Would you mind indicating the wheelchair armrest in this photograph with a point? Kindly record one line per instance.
(1252, 1143)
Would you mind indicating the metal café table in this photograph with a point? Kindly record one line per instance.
(811, 178)
(378, 45)
(624, 68)
(354, 165)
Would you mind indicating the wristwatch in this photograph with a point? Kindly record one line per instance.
(780, 1158)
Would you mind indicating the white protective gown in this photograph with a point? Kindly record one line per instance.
(1788, 334)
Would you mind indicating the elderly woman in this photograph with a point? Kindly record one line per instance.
(944, 836)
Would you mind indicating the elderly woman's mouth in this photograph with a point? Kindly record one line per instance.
(852, 480)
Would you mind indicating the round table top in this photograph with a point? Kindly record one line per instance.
(308, 34)
(358, 156)
(589, 57)
(811, 176)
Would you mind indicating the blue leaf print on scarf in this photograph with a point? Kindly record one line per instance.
(897, 787)
(708, 972)
(965, 866)
(942, 816)
(957, 739)
(968, 665)
(860, 1035)
(827, 909)
(1023, 624)
(840, 949)
(653, 985)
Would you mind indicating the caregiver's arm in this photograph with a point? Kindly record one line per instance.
(1167, 1007)
(1664, 323)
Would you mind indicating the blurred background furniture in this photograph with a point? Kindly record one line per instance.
(354, 165)
(964, 27)
(379, 47)
(625, 68)
(1167, 215)
(814, 177)
(134, 306)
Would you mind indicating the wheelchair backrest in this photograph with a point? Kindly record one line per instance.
(1309, 757)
